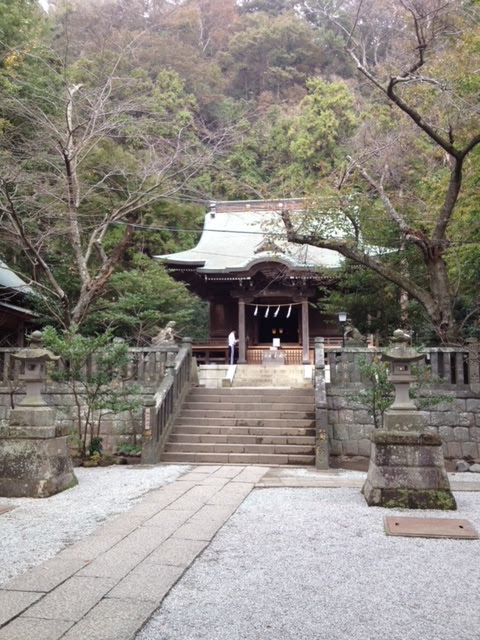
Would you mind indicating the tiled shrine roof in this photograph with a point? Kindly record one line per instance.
(236, 235)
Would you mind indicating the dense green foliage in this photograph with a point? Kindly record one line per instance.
(117, 117)
(379, 393)
(92, 367)
(142, 298)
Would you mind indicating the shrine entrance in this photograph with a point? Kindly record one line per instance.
(271, 326)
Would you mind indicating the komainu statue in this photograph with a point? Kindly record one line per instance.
(166, 336)
(353, 338)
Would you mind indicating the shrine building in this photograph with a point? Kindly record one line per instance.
(15, 314)
(257, 283)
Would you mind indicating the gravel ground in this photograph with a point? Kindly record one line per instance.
(37, 529)
(315, 564)
(291, 564)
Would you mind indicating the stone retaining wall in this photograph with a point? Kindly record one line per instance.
(146, 370)
(457, 422)
(119, 428)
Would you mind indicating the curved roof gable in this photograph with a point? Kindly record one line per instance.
(237, 234)
(10, 280)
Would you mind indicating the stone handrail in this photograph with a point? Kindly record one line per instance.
(160, 412)
(146, 366)
(453, 367)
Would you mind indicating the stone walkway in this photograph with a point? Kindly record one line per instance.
(107, 585)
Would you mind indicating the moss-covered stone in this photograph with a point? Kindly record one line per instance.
(73, 483)
(383, 437)
(441, 499)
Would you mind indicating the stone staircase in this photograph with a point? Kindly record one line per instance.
(245, 425)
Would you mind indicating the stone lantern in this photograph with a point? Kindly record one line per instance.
(34, 459)
(32, 412)
(407, 468)
(403, 414)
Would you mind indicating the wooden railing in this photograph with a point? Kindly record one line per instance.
(332, 342)
(210, 354)
(217, 354)
(292, 355)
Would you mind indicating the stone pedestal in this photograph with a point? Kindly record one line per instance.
(35, 468)
(407, 468)
(34, 459)
(407, 471)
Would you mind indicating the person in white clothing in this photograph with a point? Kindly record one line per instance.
(232, 341)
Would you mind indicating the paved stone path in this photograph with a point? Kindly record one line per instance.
(107, 585)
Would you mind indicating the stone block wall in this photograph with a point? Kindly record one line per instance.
(120, 428)
(457, 422)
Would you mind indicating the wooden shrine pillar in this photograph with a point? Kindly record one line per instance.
(305, 334)
(241, 333)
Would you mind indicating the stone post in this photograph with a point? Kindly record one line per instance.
(34, 459)
(407, 468)
(150, 434)
(193, 376)
(473, 347)
(321, 418)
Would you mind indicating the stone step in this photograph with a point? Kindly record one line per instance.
(241, 439)
(205, 447)
(266, 387)
(253, 368)
(247, 415)
(238, 458)
(250, 398)
(213, 421)
(270, 374)
(241, 406)
(272, 382)
(258, 430)
(244, 391)
(252, 371)
(246, 424)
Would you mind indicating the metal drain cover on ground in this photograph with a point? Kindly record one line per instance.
(430, 528)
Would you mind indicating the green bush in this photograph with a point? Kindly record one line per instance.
(92, 367)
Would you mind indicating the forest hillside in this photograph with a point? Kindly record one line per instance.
(121, 119)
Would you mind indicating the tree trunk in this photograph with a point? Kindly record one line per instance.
(441, 311)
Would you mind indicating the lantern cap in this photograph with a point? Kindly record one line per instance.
(36, 351)
(400, 349)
